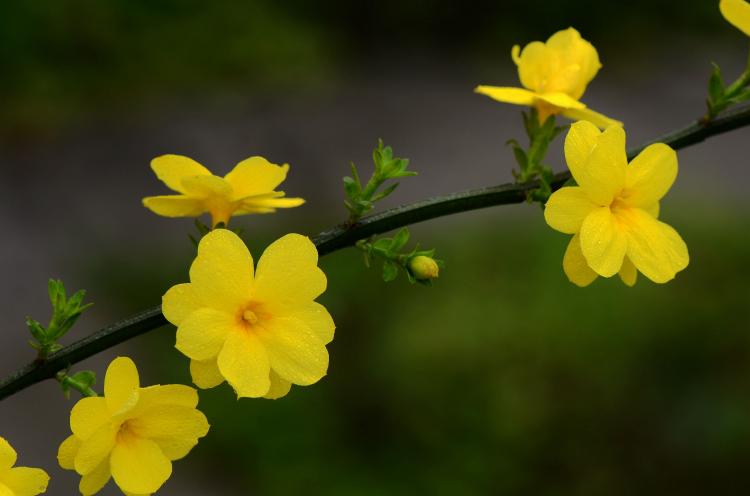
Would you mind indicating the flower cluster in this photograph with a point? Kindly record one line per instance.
(19, 481)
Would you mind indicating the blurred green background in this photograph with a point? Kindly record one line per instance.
(503, 378)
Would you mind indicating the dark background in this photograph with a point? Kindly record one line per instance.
(503, 378)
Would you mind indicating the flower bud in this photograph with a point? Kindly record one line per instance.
(424, 268)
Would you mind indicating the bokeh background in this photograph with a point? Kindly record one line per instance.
(503, 378)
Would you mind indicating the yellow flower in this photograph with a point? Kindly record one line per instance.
(247, 189)
(259, 330)
(131, 434)
(555, 75)
(613, 211)
(19, 481)
(737, 12)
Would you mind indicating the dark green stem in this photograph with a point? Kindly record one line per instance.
(346, 235)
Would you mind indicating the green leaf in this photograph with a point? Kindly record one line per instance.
(56, 291)
(351, 187)
(86, 378)
(37, 331)
(715, 85)
(390, 271)
(399, 240)
(382, 244)
(387, 191)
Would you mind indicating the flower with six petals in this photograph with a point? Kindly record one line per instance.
(259, 329)
(131, 434)
(613, 212)
(248, 189)
(737, 12)
(19, 481)
(554, 75)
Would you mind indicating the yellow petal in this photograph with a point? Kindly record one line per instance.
(169, 394)
(4, 491)
(654, 247)
(317, 318)
(516, 96)
(533, 66)
(207, 187)
(96, 448)
(88, 415)
(573, 63)
(172, 169)
(279, 387)
(628, 273)
(603, 175)
(179, 301)
(121, 385)
(139, 466)
(288, 272)
(222, 273)
(25, 481)
(205, 374)
(244, 364)
(202, 334)
(174, 206)
(176, 429)
(8, 455)
(294, 351)
(603, 242)
(254, 205)
(254, 176)
(566, 209)
(67, 452)
(575, 265)
(737, 12)
(586, 114)
(650, 175)
(93, 482)
(579, 142)
(561, 100)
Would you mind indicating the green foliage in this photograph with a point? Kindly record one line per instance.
(721, 97)
(361, 199)
(65, 313)
(80, 381)
(389, 250)
(530, 161)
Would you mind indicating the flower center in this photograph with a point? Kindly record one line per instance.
(250, 317)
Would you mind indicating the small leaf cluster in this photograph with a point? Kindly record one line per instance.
(530, 160)
(361, 199)
(65, 313)
(80, 381)
(389, 250)
(720, 97)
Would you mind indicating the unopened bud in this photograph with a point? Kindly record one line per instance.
(424, 268)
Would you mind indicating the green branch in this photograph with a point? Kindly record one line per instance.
(347, 235)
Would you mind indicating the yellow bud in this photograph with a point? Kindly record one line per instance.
(424, 268)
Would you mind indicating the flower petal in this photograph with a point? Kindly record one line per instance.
(650, 175)
(288, 272)
(88, 415)
(67, 452)
(207, 187)
(737, 12)
(561, 100)
(317, 318)
(533, 65)
(121, 386)
(176, 429)
(172, 169)
(576, 63)
(255, 176)
(566, 209)
(174, 206)
(179, 301)
(8, 455)
(25, 481)
(244, 364)
(222, 273)
(294, 351)
(575, 265)
(603, 175)
(203, 333)
(579, 142)
(139, 466)
(93, 482)
(586, 114)
(654, 247)
(516, 96)
(96, 448)
(628, 273)
(205, 374)
(279, 387)
(603, 242)
(254, 205)
(169, 394)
